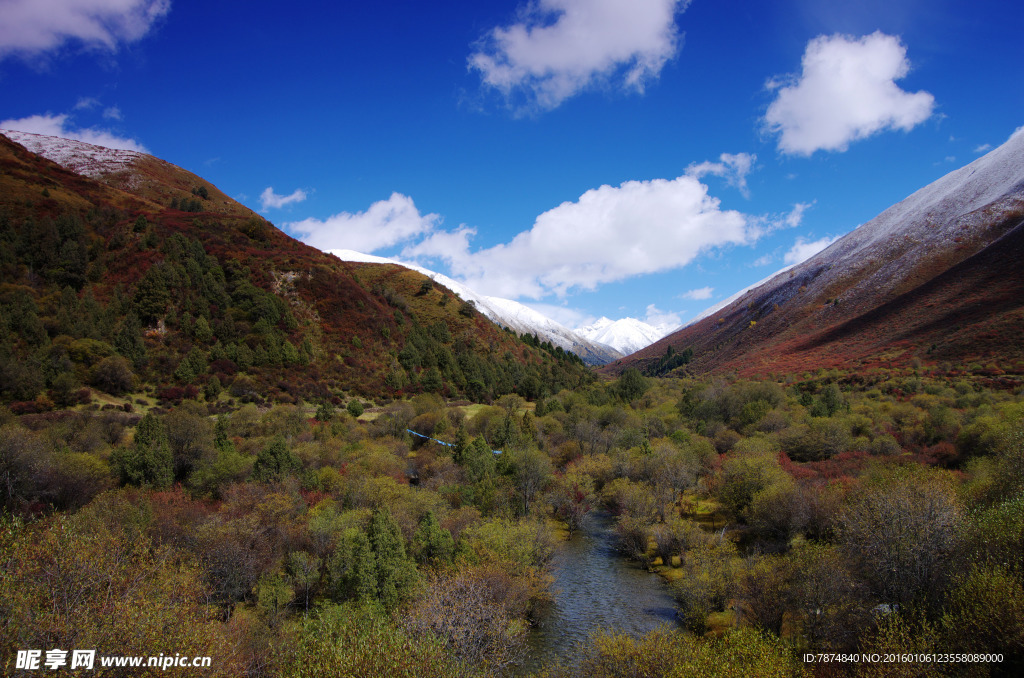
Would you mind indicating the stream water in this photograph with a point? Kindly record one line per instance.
(595, 589)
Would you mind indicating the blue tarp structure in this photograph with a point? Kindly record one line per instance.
(441, 442)
(429, 438)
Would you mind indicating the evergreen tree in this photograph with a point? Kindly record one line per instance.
(396, 574)
(478, 459)
(631, 385)
(148, 461)
(69, 321)
(196, 360)
(324, 411)
(289, 354)
(244, 357)
(213, 388)
(220, 435)
(432, 544)
(275, 461)
(152, 294)
(352, 568)
(462, 443)
(432, 380)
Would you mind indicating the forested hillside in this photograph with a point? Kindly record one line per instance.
(105, 293)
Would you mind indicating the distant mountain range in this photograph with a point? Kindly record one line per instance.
(936, 278)
(626, 335)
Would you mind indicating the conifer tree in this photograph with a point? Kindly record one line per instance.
(353, 568)
(461, 445)
(152, 294)
(396, 574)
(202, 330)
(148, 461)
(431, 544)
(275, 461)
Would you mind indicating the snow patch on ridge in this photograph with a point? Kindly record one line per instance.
(80, 157)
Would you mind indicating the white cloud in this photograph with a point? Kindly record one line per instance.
(572, 318)
(57, 126)
(560, 47)
(112, 113)
(846, 91)
(984, 148)
(698, 294)
(658, 318)
(271, 200)
(764, 224)
(35, 26)
(796, 215)
(608, 234)
(802, 250)
(385, 223)
(734, 168)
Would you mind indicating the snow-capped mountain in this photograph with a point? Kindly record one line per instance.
(936, 276)
(627, 335)
(507, 313)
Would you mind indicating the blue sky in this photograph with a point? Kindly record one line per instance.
(590, 157)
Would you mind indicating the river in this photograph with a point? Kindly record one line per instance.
(595, 589)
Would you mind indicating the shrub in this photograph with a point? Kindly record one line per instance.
(354, 407)
(275, 461)
(352, 640)
(114, 375)
(478, 613)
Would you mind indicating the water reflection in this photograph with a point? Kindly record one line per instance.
(596, 589)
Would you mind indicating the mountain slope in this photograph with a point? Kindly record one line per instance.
(144, 176)
(933, 277)
(507, 313)
(183, 302)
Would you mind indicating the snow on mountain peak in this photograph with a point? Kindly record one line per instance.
(627, 335)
